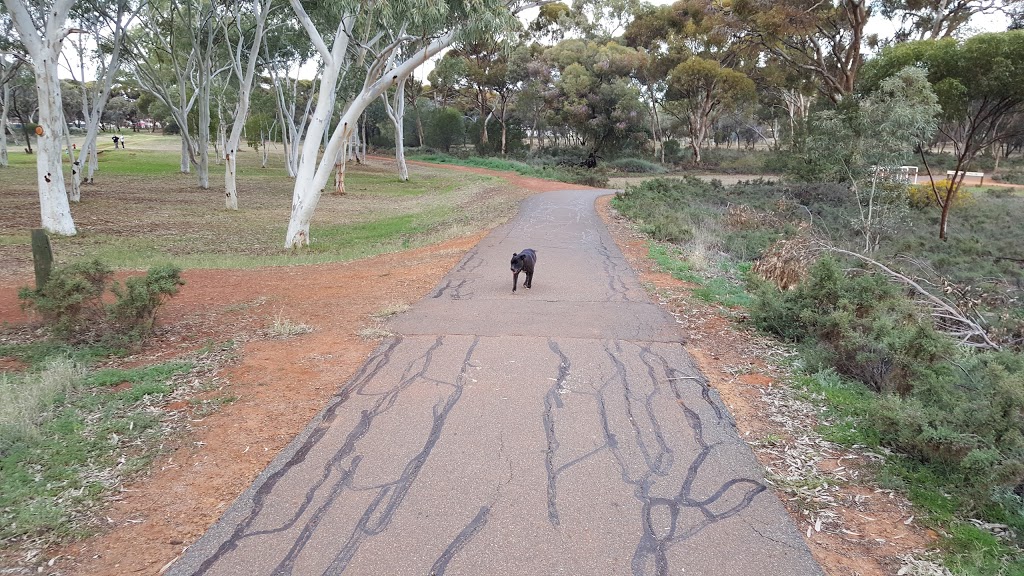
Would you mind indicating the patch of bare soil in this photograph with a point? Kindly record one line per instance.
(281, 381)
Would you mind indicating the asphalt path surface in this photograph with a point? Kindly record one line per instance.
(562, 429)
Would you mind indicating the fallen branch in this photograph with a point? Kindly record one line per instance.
(940, 308)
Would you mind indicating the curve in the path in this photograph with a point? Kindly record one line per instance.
(562, 429)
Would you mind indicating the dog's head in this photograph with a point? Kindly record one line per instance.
(518, 261)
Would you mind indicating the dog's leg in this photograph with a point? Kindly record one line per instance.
(529, 280)
(515, 280)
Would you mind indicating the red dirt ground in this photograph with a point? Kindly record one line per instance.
(280, 383)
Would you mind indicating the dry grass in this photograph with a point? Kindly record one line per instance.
(26, 399)
(285, 328)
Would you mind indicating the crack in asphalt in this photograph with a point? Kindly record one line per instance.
(389, 497)
(666, 520)
(460, 541)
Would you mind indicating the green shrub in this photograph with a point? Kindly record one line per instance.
(673, 151)
(72, 305)
(970, 420)
(595, 177)
(134, 310)
(71, 301)
(444, 128)
(653, 206)
(636, 166)
(861, 324)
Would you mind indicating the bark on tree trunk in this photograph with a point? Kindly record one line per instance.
(186, 162)
(45, 50)
(222, 137)
(53, 199)
(203, 143)
(76, 170)
(4, 160)
(231, 190)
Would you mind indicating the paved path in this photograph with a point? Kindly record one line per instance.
(560, 430)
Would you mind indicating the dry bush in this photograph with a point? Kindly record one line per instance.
(786, 262)
(743, 217)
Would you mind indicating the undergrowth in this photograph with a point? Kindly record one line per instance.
(73, 306)
(67, 438)
(573, 174)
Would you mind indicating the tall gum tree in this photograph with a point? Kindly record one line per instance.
(42, 32)
(102, 19)
(172, 57)
(599, 105)
(251, 55)
(8, 68)
(696, 47)
(825, 38)
(935, 19)
(285, 53)
(432, 25)
(978, 83)
(699, 91)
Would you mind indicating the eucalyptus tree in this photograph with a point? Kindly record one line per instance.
(597, 101)
(785, 96)
(444, 80)
(935, 19)
(865, 144)
(8, 70)
(402, 36)
(536, 93)
(978, 82)
(490, 80)
(826, 38)
(23, 102)
(694, 45)
(172, 55)
(415, 97)
(700, 90)
(394, 106)
(249, 21)
(601, 20)
(286, 52)
(42, 28)
(98, 42)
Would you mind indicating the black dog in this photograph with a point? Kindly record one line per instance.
(523, 262)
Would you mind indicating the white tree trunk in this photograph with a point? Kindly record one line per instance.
(203, 130)
(44, 50)
(396, 113)
(94, 102)
(309, 181)
(245, 81)
(76, 168)
(4, 161)
(53, 199)
(222, 137)
(186, 162)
